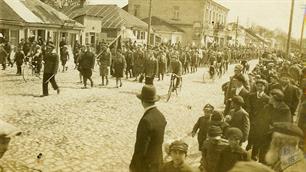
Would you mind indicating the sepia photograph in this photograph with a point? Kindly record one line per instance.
(152, 86)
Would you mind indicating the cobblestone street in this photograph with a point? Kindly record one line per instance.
(93, 129)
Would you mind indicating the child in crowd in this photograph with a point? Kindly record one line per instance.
(233, 152)
(211, 149)
(178, 152)
(203, 124)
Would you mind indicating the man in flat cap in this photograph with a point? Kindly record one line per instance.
(255, 106)
(178, 152)
(276, 109)
(51, 60)
(148, 156)
(284, 154)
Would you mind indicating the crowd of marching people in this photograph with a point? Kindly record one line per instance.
(260, 129)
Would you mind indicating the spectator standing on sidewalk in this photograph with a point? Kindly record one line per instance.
(148, 154)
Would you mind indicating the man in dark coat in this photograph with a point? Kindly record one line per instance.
(239, 118)
(256, 104)
(19, 56)
(148, 155)
(104, 61)
(277, 109)
(51, 60)
(87, 63)
(150, 65)
(238, 90)
(129, 58)
(291, 93)
(138, 63)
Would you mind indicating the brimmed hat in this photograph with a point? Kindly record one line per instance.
(277, 94)
(238, 100)
(287, 128)
(214, 131)
(178, 145)
(148, 94)
(261, 81)
(234, 132)
(208, 107)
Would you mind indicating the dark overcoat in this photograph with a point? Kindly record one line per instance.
(51, 63)
(292, 97)
(258, 120)
(149, 139)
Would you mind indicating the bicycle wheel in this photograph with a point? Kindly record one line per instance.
(170, 90)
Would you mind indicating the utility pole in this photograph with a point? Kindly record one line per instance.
(290, 28)
(302, 32)
(237, 25)
(149, 27)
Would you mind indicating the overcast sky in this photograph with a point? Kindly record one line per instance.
(269, 13)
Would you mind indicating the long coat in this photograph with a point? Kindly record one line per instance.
(240, 119)
(292, 97)
(257, 120)
(202, 125)
(87, 60)
(119, 64)
(150, 67)
(149, 139)
(51, 63)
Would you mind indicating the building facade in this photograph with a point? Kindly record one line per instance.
(34, 18)
(106, 23)
(198, 19)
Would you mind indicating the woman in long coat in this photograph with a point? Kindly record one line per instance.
(119, 65)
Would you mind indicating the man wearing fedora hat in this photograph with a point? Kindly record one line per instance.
(51, 60)
(148, 156)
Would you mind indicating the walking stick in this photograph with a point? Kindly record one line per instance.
(49, 79)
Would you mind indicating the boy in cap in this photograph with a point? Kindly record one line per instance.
(202, 124)
(238, 117)
(178, 152)
(211, 149)
(233, 152)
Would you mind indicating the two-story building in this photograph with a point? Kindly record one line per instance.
(198, 19)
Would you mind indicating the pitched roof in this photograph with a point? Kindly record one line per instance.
(161, 25)
(33, 12)
(112, 16)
